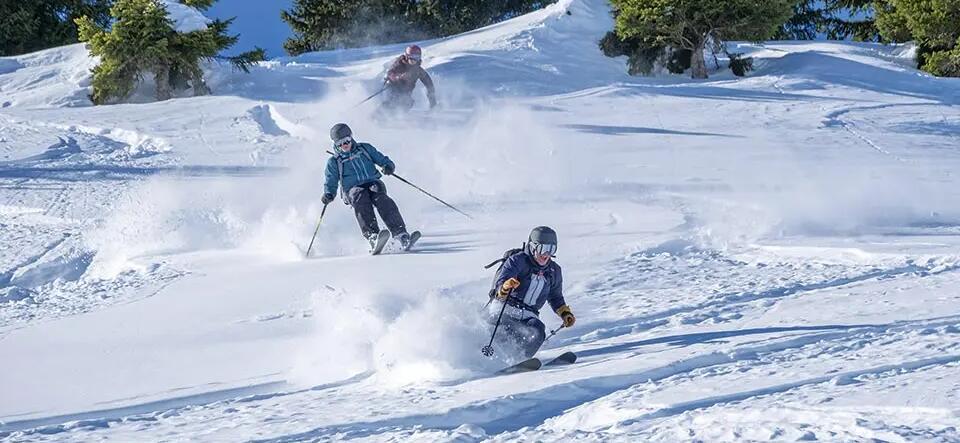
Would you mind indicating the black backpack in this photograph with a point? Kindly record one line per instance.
(507, 254)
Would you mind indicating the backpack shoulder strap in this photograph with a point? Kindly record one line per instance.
(363, 149)
(343, 191)
(502, 260)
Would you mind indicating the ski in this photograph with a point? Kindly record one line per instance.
(413, 240)
(528, 365)
(382, 238)
(563, 359)
(534, 364)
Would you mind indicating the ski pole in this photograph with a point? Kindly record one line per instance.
(315, 231)
(553, 332)
(384, 88)
(488, 349)
(425, 192)
(431, 195)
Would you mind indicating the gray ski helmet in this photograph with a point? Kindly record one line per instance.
(340, 130)
(542, 240)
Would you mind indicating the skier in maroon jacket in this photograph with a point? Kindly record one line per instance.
(402, 78)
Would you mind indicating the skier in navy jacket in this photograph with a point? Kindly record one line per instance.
(528, 280)
(353, 170)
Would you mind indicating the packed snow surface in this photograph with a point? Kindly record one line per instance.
(764, 258)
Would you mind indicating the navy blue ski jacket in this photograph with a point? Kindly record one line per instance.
(354, 168)
(538, 284)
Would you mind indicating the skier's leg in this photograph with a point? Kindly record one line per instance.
(388, 209)
(362, 204)
(536, 334)
(392, 102)
(512, 335)
(407, 102)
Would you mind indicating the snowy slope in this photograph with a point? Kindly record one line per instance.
(766, 258)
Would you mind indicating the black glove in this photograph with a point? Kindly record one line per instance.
(327, 198)
(388, 169)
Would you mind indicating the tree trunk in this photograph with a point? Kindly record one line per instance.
(698, 66)
(199, 86)
(162, 77)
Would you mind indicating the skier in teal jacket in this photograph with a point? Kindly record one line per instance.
(353, 170)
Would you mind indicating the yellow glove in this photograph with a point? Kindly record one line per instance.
(507, 287)
(567, 316)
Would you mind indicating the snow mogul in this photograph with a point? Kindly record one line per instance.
(528, 278)
(402, 79)
(353, 169)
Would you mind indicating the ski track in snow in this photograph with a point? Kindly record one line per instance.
(742, 269)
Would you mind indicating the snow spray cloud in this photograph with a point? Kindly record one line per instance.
(160, 216)
(862, 199)
(466, 156)
(469, 152)
(788, 195)
(401, 338)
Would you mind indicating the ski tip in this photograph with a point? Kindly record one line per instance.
(382, 240)
(528, 365)
(563, 359)
(414, 236)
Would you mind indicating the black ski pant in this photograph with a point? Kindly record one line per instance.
(398, 100)
(529, 333)
(363, 198)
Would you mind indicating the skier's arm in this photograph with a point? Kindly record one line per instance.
(558, 304)
(332, 175)
(510, 271)
(379, 159)
(428, 83)
(555, 298)
(395, 71)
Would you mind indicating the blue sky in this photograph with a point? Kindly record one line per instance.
(258, 23)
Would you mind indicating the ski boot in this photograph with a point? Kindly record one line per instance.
(372, 239)
(408, 240)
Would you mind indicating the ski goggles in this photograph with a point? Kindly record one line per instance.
(414, 58)
(543, 249)
(343, 141)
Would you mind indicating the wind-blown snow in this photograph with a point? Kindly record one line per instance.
(185, 18)
(764, 258)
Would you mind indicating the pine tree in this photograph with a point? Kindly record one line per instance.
(142, 40)
(839, 26)
(329, 24)
(449, 17)
(830, 18)
(933, 24)
(27, 26)
(695, 24)
(808, 20)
